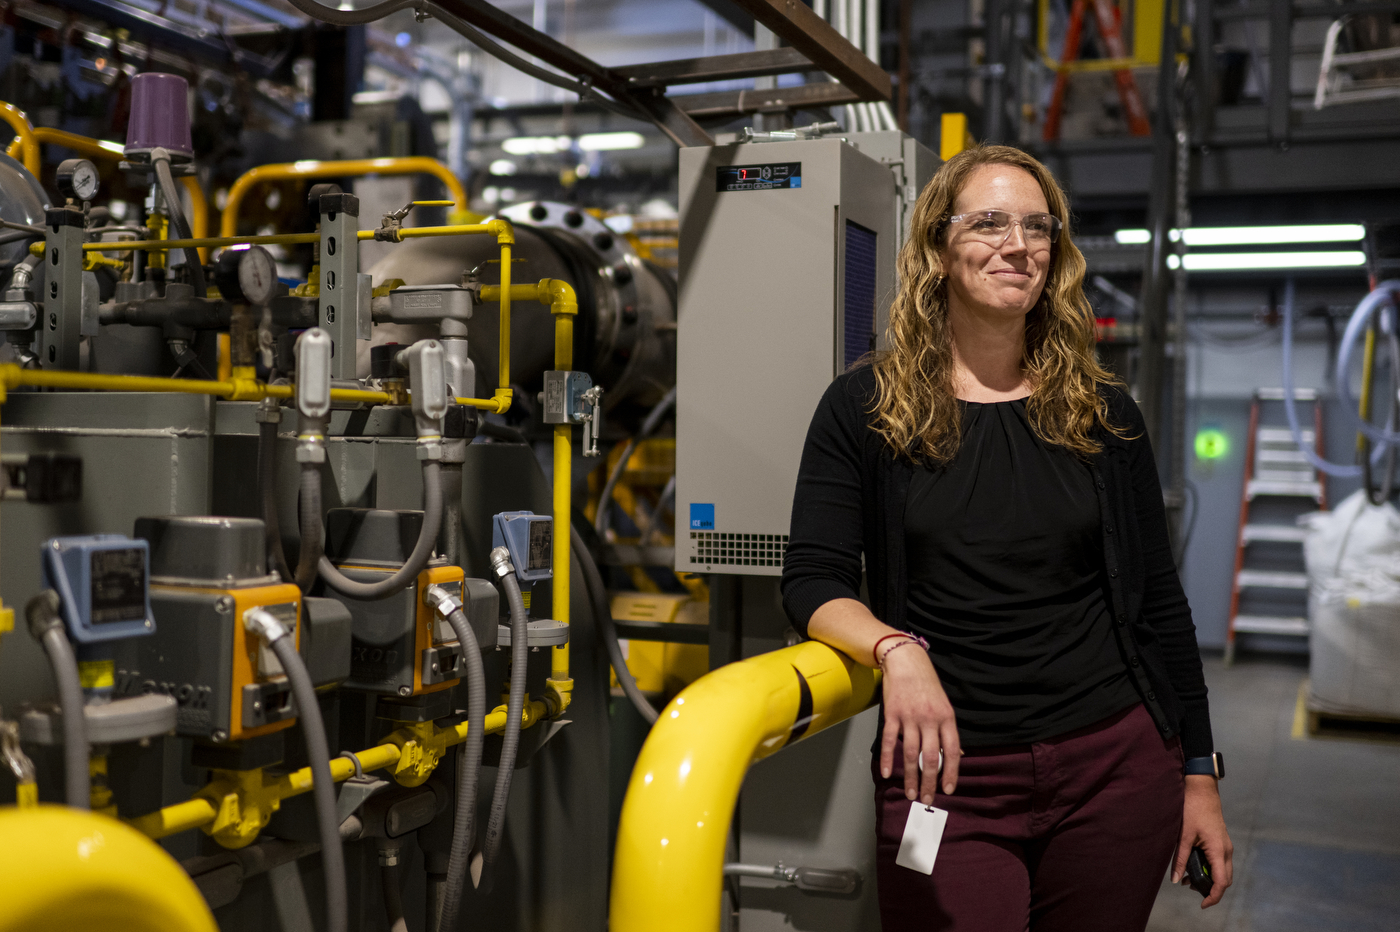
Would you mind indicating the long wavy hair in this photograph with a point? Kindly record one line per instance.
(916, 409)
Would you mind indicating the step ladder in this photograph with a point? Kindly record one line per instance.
(1279, 485)
(1109, 20)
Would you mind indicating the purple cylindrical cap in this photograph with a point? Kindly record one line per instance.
(160, 115)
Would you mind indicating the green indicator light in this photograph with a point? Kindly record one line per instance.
(1212, 444)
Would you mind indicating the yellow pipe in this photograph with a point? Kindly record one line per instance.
(199, 811)
(199, 213)
(205, 241)
(414, 165)
(1368, 364)
(668, 866)
(24, 134)
(238, 388)
(564, 307)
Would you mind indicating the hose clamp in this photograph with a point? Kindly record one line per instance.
(311, 448)
(430, 447)
(500, 561)
(359, 768)
(268, 411)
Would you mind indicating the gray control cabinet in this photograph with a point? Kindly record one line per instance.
(787, 268)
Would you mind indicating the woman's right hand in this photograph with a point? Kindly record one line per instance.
(917, 709)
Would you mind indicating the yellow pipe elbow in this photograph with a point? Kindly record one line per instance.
(68, 869)
(24, 135)
(680, 800)
(343, 168)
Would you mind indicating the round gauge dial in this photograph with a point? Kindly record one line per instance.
(257, 275)
(78, 179)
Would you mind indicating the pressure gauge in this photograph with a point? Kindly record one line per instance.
(257, 275)
(77, 179)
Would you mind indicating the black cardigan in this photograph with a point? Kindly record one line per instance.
(849, 504)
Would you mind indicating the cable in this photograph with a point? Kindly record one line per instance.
(515, 707)
(649, 425)
(267, 495)
(422, 549)
(160, 160)
(468, 771)
(602, 616)
(393, 898)
(1384, 294)
(667, 499)
(313, 729)
(46, 625)
(313, 537)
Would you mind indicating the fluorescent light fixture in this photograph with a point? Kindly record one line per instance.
(1251, 236)
(1250, 261)
(502, 167)
(1254, 236)
(537, 145)
(603, 142)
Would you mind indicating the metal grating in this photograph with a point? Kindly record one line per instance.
(716, 548)
(858, 310)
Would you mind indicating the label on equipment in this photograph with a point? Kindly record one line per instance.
(702, 517)
(541, 539)
(118, 585)
(758, 177)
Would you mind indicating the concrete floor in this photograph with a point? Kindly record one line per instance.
(1315, 821)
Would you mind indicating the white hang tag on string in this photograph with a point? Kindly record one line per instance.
(923, 832)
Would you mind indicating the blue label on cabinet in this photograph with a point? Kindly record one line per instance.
(702, 517)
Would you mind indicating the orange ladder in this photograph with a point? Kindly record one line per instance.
(1276, 478)
(1110, 22)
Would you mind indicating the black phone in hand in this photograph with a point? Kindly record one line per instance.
(1198, 872)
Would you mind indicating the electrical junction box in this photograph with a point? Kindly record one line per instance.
(101, 581)
(530, 539)
(787, 270)
(206, 574)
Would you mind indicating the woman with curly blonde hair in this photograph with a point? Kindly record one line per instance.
(994, 486)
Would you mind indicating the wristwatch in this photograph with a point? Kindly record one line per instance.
(1212, 766)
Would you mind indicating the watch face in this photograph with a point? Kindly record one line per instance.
(78, 179)
(257, 275)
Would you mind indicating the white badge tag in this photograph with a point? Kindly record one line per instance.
(923, 832)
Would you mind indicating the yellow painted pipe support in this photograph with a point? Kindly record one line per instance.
(24, 134)
(64, 868)
(344, 168)
(668, 868)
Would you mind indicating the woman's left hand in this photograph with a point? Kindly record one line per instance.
(1203, 824)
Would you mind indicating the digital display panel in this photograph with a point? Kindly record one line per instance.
(541, 540)
(758, 177)
(118, 585)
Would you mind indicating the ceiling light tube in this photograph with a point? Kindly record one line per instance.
(1253, 236)
(1261, 261)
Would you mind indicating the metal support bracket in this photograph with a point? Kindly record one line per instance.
(62, 323)
(340, 279)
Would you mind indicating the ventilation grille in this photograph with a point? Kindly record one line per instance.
(713, 548)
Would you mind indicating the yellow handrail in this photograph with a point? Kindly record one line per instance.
(412, 165)
(24, 135)
(669, 860)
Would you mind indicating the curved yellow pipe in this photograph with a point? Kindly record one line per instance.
(102, 149)
(668, 868)
(64, 868)
(413, 165)
(24, 135)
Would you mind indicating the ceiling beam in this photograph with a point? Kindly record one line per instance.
(795, 23)
(767, 100)
(716, 68)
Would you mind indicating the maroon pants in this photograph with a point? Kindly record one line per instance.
(1074, 833)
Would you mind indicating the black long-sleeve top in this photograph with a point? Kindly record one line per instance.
(848, 521)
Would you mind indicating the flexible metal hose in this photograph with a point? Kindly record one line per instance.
(322, 786)
(313, 535)
(422, 549)
(46, 625)
(393, 898)
(468, 771)
(515, 707)
(602, 615)
(267, 496)
(176, 211)
(653, 421)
